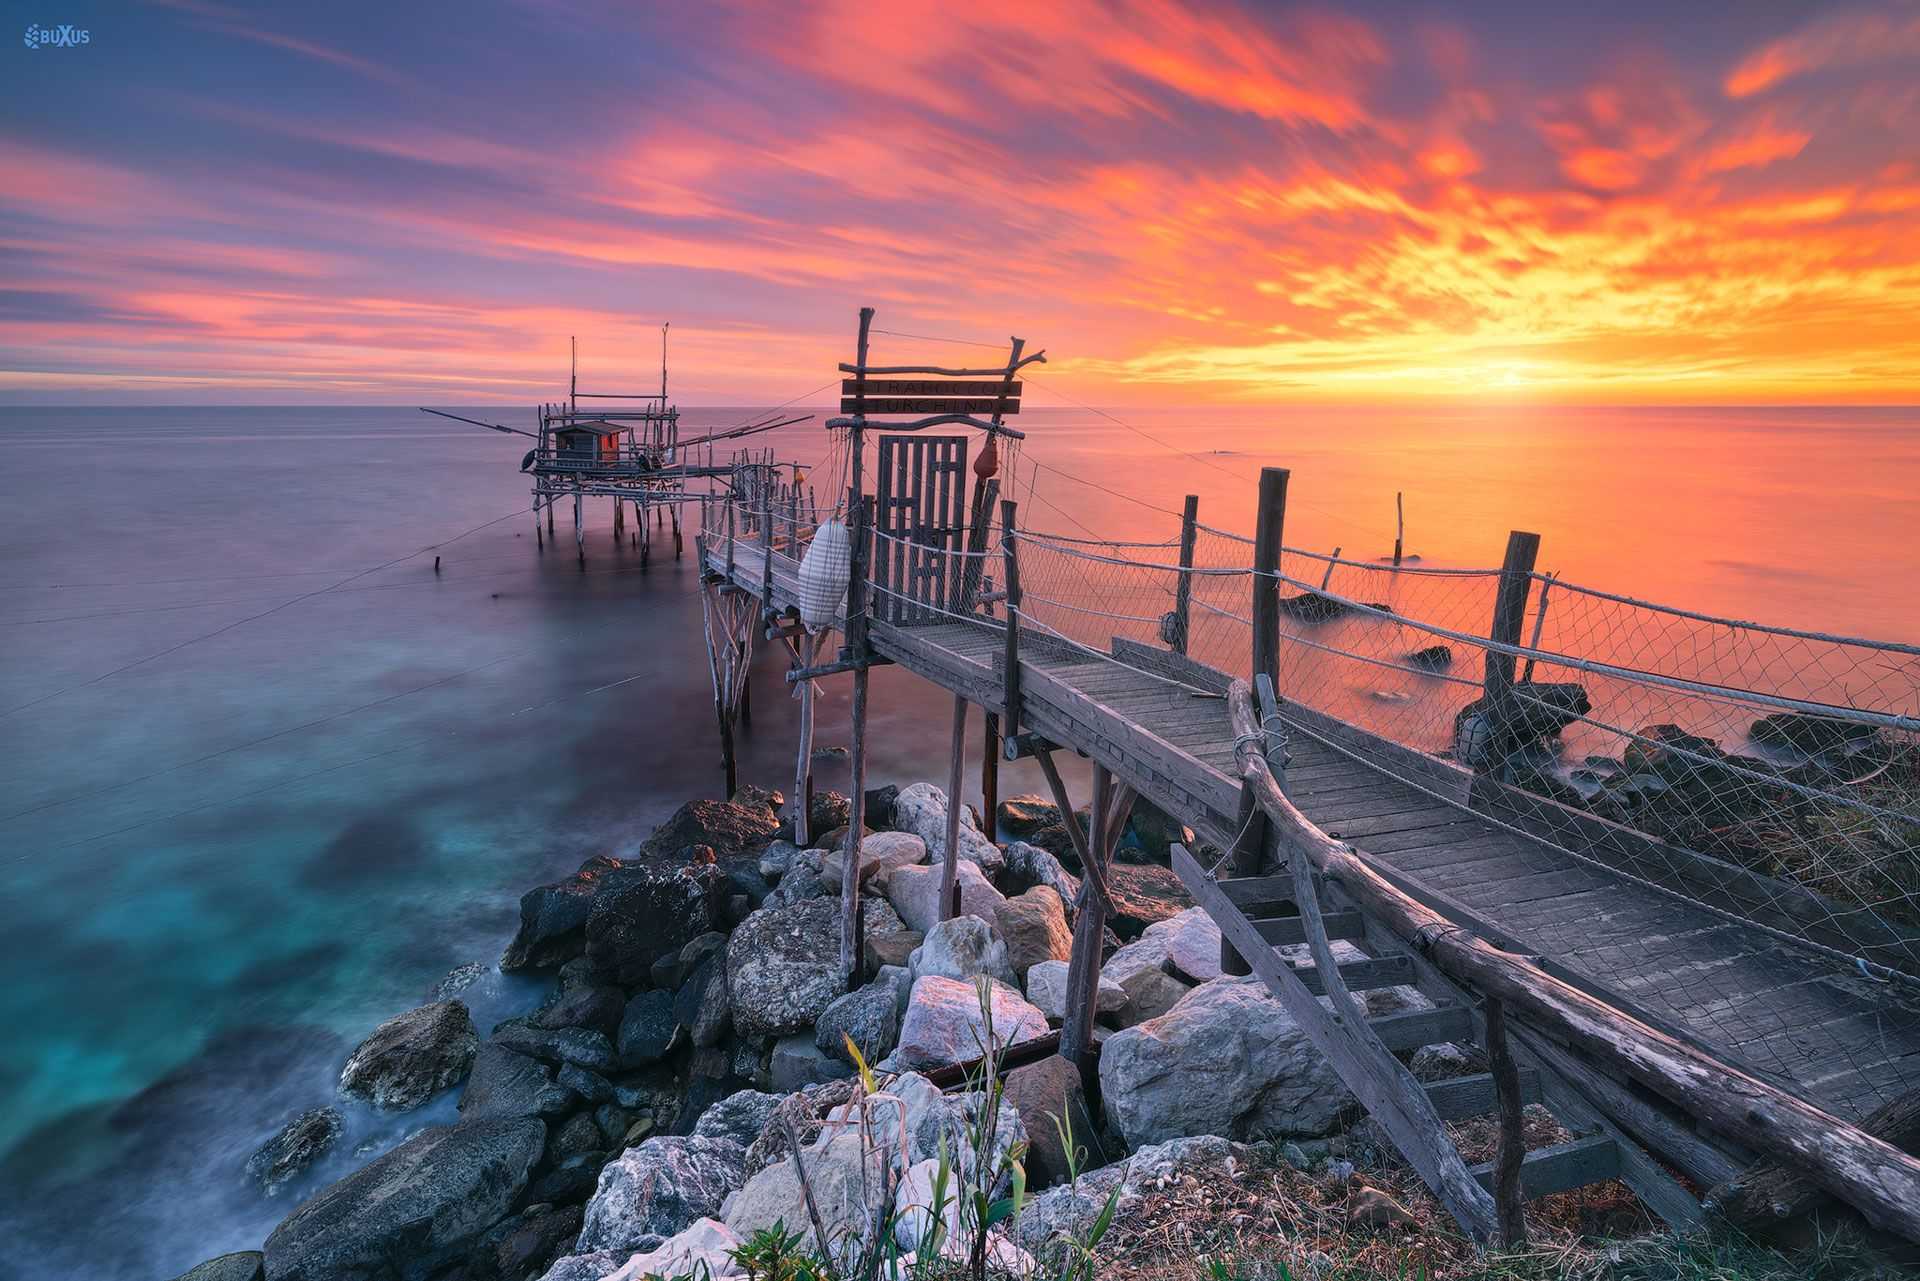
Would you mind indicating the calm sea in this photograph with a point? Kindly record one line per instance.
(267, 776)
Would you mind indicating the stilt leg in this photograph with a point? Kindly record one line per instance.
(676, 531)
(803, 768)
(850, 881)
(949, 869)
(579, 529)
(990, 776)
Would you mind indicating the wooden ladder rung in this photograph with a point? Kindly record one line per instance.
(1362, 976)
(1562, 1167)
(1466, 1096)
(1412, 1029)
(1262, 895)
(1283, 931)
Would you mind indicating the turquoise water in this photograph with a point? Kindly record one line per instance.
(267, 777)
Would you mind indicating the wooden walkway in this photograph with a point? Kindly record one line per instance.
(1839, 1040)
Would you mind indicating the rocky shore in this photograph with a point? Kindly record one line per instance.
(644, 1118)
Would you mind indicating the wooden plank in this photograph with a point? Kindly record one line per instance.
(1178, 666)
(1562, 1167)
(1284, 931)
(983, 406)
(1466, 1096)
(1411, 1029)
(935, 387)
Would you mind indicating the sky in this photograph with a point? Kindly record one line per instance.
(377, 203)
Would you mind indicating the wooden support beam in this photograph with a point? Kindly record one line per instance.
(990, 773)
(1110, 809)
(1010, 672)
(1512, 1151)
(1478, 1094)
(816, 671)
(1249, 848)
(950, 864)
(1509, 616)
(1562, 1168)
(803, 766)
(1867, 1173)
(861, 512)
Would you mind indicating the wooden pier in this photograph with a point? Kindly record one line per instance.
(1680, 1015)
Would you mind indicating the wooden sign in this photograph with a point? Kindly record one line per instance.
(927, 387)
(952, 405)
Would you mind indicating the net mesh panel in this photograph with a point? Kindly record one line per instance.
(1777, 774)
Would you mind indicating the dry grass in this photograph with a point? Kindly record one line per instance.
(1277, 1223)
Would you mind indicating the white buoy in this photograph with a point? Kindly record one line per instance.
(823, 576)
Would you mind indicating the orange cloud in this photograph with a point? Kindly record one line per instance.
(1836, 41)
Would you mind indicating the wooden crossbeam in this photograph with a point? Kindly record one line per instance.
(928, 387)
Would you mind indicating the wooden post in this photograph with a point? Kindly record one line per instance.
(990, 773)
(803, 768)
(766, 546)
(1109, 819)
(1509, 616)
(1399, 526)
(730, 506)
(950, 867)
(1183, 587)
(676, 531)
(1010, 678)
(1513, 1139)
(579, 528)
(538, 541)
(861, 513)
(1249, 850)
(1328, 576)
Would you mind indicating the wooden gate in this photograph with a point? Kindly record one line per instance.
(920, 522)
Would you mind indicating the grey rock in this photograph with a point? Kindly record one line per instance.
(590, 1006)
(1227, 1060)
(646, 912)
(869, 1015)
(1443, 1062)
(1047, 1095)
(415, 1209)
(243, 1266)
(506, 1084)
(1034, 925)
(553, 918)
(702, 1005)
(297, 1145)
(590, 1086)
(914, 893)
(1193, 945)
(944, 1024)
(839, 1171)
(740, 1117)
(922, 810)
(412, 1056)
(577, 1135)
(783, 967)
(1033, 866)
(524, 1246)
(1148, 952)
(1047, 989)
(1150, 993)
(880, 854)
(590, 1266)
(797, 1063)
(591, 1050)
(776, 858)
(648, 1029)
(659, 1188)
(963, 948)
(731, 831)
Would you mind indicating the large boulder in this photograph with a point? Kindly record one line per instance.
(1150, 993)
(1227, 1060)
(944, 1023)
(1032, 865)
(869, 1016)
(412, 1211)
(1021, 816)
(922, 810)
(648, 1029)
(244, 1265)
(504, 1083)
(880, 853)
(1047, 989)
(732, 831)
(740, 1117)
(783, 968)
(702, 1005)
(553, 918)
(705, 1250)
(1034, 924)
(964, 947)
(1049, 1098)
(297, 1145)
(593, 1005)
(1151, 951)
(1143, 893)
(658, 1188)
(1193, 945)
(839, 1171)
(915, 894)
(647, 911)
(412, 1056)
(580, 1046)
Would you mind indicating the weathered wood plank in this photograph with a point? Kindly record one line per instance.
(984, 406)
(1284, 931)
(936, 387)
(1563, 1167)
(1475, 1095)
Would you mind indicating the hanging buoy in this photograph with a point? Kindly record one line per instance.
(988, 462)
(823, 576)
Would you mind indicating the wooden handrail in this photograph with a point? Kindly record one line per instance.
(1873, 1176)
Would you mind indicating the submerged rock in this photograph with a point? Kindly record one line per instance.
(412, 1056)
(412, 1211)
(298, 1144)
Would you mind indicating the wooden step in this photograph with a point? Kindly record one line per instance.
(1362, 976)
(1414, 1028)
(1562, 1167)
(1259, 896)
(1283, 931)
(1465, 1096)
